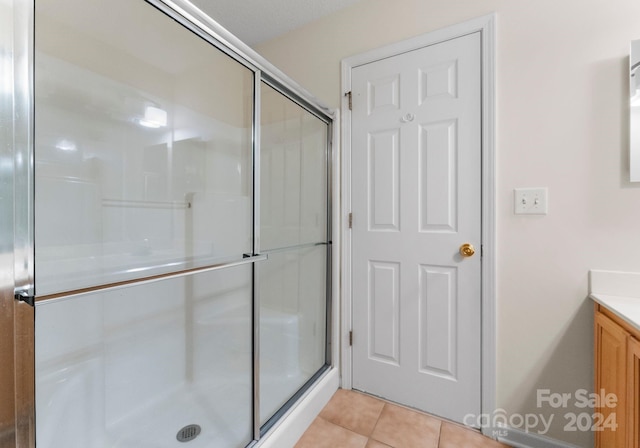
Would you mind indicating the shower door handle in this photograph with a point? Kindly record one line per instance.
(251, 258)
(25, 296)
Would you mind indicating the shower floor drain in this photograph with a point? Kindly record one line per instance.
(188, 433)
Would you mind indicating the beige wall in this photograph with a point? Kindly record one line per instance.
(562, 124)
(149, 54)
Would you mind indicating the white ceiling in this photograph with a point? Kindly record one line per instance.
(256, 21)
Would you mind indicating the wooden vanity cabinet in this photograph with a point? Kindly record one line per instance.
(633, 388)
(617, 371)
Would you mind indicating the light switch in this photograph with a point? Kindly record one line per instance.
(531, 201)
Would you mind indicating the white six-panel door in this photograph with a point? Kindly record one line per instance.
(416, 198)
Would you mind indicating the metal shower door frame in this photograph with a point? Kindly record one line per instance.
(17, 362)
(17, 282)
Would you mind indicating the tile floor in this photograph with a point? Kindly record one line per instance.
(355, 420)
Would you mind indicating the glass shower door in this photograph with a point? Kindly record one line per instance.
(147, 366)
(294, 234)
(143, 146)
(143, 209)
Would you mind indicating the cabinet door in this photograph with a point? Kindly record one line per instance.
(633, 396)
(611, 375)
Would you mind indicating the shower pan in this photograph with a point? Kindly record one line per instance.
(169, 228)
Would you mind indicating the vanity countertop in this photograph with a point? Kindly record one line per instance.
(627, 308)
(619, 292)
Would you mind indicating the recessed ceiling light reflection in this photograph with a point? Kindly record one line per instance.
(66, 145)
(154, 118)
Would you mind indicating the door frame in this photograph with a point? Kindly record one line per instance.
(486, 26)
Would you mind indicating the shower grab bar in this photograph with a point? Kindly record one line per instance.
(247, 259)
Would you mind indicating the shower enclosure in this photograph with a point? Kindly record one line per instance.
(168, 223)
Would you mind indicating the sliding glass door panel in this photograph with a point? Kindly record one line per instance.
(293, 173)
(293, 232)
(292, 291)
(143, 143)
(144, 172)
(130, 368)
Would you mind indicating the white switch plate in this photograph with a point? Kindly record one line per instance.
(531, 201)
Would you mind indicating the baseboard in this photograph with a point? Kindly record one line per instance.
(287, 432)
(521, 439)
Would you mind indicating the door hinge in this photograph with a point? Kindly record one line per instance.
(350, 220)
(350, 338)
(349, 99)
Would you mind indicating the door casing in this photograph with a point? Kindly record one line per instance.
(486, 26)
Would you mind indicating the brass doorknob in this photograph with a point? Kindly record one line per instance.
(467, 250)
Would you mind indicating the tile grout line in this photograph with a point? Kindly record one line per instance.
(377, 421)
(384, 404)
(347, 429)
(341, 426)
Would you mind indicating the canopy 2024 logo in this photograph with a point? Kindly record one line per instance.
(541, 422)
